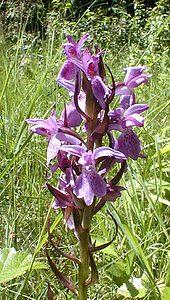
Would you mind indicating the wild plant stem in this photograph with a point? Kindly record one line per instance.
(84, 240)
(84, 265)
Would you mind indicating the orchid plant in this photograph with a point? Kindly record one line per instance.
(85, 163)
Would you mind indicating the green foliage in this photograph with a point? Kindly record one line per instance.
(15, 263)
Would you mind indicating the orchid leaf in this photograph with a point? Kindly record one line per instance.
(110, 250)
(94, 274)
(15, 263)
(63, 279)
(49, 292)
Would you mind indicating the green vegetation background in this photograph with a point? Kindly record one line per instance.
(31, 38)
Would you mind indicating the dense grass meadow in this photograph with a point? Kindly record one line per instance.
(137, 264)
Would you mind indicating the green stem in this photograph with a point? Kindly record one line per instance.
(84, 265)
(84, 241)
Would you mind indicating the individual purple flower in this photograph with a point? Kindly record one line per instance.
(113, 192)
(72, 50)
(134, 77)
(43, 127)
(123, 120)
(90, 183)
(50, 128)
(90, 66)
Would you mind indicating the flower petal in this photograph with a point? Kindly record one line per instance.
(107, 151)
(53, 148)
(133, 120)
(70, 50)
(67, 137)
(74, 118)
(126, 101)
(135, 82)
(68, 71)
(123, 90)
(90, 184)
(43, 127)
(73, 149)
(132, 72)
(136, 109)
(100, 90)
(129, 144)
(70, 39)
(69, 85)
(81, 42)
(83, 189)
(96, 182)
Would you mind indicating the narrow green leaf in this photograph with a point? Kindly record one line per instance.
(165, 149)
(43, 240)
(133, 242)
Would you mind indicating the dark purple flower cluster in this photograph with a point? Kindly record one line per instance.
(82, 158)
